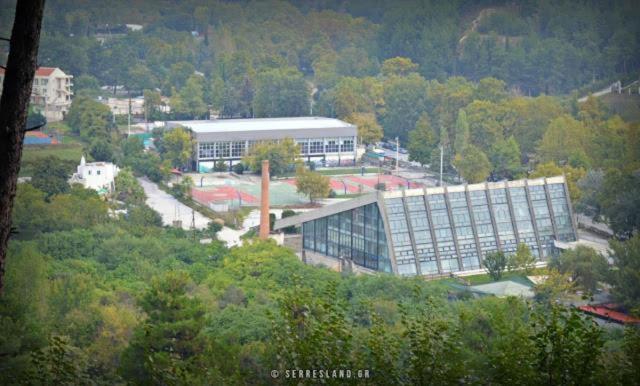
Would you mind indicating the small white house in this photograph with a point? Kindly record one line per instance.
(98, 176)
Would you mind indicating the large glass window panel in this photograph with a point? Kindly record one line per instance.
(536, 192)
(498, 196)
(321, 235)
(333, 235)
(458, 199)
(346, 144)
(304, 145)
(357, 252)
(345, 234)
(308, 239)
(406, 268)
(556, 190)
(481, 215)
(331, 145)
(400, 237)
(383, 262)
(436, 201)
(237, 148)
(206, 150)
(478, 197)
(482, 218)
(425, 250)
(464, 234)
(316, 146)
(562, 216)
(223, 149)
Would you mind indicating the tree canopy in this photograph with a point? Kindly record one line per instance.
(282, 156)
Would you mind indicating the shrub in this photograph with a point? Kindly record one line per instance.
(238, 168)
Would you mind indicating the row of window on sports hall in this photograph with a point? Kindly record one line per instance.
(233, 149)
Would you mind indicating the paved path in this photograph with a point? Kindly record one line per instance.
(169, 208)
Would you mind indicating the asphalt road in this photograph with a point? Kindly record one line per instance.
(169, 208)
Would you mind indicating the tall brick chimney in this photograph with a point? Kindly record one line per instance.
(264, 202)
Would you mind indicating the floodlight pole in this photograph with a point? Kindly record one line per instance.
(397, 154)
(441, 161)
(129, 117)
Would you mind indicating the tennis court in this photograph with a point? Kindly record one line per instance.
(234, 190)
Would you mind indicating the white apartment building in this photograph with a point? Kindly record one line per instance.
(51, 92)
(99, 176)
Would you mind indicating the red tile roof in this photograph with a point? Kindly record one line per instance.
(41, 71)
(605, 312)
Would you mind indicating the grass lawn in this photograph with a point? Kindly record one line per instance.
(519, 277)
(338, 171)
(70, 152)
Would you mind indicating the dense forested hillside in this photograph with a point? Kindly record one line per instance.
(535, 46)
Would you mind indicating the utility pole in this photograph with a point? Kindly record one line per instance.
(193, 223)
(129, 117)
(146, 118)
(397, 154)
(441, 162)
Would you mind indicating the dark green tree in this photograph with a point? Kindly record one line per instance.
(505, 158)
(620, 201)
(429, 338)
(101, 150)
(495, 263)
(586, 266)
(281, 93)
(568, 346)
(404, 103)
(422, 141)
(90, 119)
(50, 175)
(164, 346)
(472, 164)
(626, 286)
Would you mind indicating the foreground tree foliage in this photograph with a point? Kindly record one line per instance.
(143, 304)
(568, 347)
(164, 346)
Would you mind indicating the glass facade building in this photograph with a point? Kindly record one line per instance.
(356, 234)
(438, 231)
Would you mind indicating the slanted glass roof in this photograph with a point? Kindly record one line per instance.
(438, 231)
